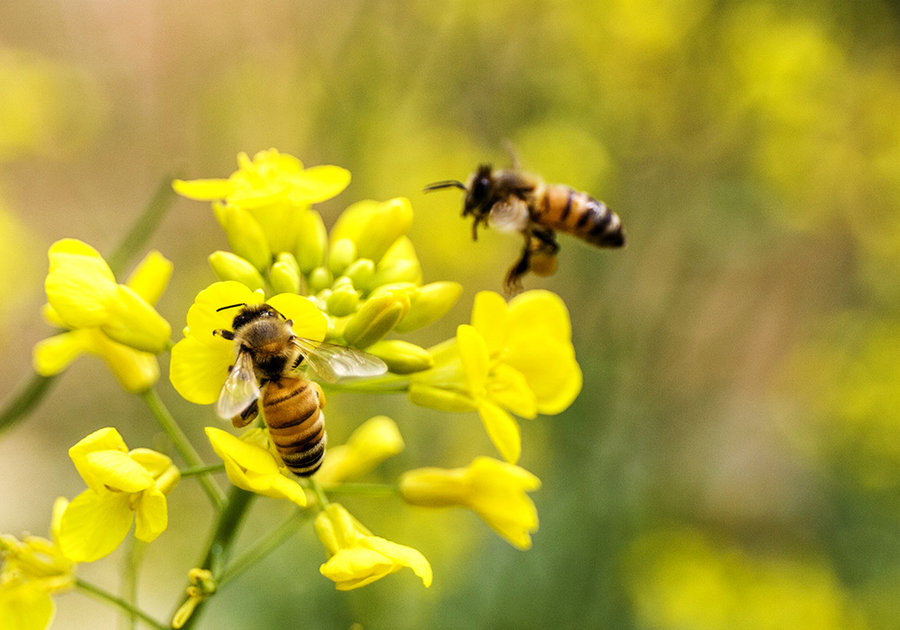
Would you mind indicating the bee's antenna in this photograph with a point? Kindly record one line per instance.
(225, 308)
(449, 183)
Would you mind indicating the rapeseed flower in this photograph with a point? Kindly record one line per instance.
(492, 489)
(123, 486)
(116, 322)
(356, 557)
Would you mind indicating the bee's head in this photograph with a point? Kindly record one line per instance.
(478, 193)
(250, 313)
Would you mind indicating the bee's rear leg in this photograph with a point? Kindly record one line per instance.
(515, 273)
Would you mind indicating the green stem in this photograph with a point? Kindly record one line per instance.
(202, 470)
(264, 547)
(108, 597)
(183, 444)
(129, 585)
(387, 384)
(364, 489)
(28, 397)
(145, 226)
(219, 546)
(317, 489)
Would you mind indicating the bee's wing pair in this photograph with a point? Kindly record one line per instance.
(329, 361)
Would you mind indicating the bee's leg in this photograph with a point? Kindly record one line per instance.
(548, 238)
(224, 334)
(246, 416)
(519, 269)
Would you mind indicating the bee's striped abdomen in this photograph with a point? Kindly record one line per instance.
(567, 210)
(292, 411)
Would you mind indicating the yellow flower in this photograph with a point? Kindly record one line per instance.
(123, 486)
(371, 443)
(274, 189)
(32, 569)
(517, 358)
(252, 467)
(356, 557)
(492, 489)
(113, 321)
(200, 362)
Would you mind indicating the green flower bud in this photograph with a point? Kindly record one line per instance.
(228, 266)
(360, 272)
(343, 252)
(245, 235)
(284, 278)
(319, 278)
(344, 300)
(429, 303)
(401, 356)
(312, 241)
(440, 399)
(376, 318)
(373, 226)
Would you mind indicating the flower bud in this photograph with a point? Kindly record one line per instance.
(229, 266)
(439, 398)
(344, 300)
(312, 241)
(401, 357)
(343, 252)
(319, 278)
(429, 303)
(374, 441)
(376, 318)
(360, 272)
(245, 235)
(373, 226)
(284, 278)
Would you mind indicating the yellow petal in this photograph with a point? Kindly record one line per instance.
(106, 439)
(308, 321)
(404, 556)
(502, 429)
(135, 370)
(79, 289)
(54, 354)
(203, 317)
(202, 189)
(540, 314)
(198, 370)
(151, 276)
(508, 388)
(130, 320)
(93, 525)
(116, 471)
(474, 355)
(151, 515)
(551, 371)
(25, 606)
(490, 318)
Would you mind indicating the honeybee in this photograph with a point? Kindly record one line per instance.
(266, 374)
(515, 201)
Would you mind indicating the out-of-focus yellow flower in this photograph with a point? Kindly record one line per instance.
(201, 360)
(517, 358)
(274, 189)
(371, 443)
(492, 489)
(252, 467)
(31, 570)
(123, 486)
(356, 557)
(113, 321)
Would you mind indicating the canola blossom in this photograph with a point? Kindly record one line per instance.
(31, 571)
(356, 557)
(113, 321)
(123, 487)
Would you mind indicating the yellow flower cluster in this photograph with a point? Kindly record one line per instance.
(359, 285)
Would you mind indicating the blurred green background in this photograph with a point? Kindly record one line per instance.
(734, 458)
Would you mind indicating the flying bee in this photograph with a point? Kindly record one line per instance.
(266, 375)
(515, 201)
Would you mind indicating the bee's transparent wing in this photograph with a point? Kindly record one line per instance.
(240, 388)
(332, 362)
(509, 216)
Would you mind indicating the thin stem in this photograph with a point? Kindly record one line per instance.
(387, 384)
(219, 546)
(363, 489)
(145, 226)
(108, 597)
(183, 444)
(129, 584)
(31, 393)
(202, 470)
(264, 547)
(317, 489)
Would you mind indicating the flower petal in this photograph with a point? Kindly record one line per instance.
(502, 429)
(26, 606)
(151, 515)
(308, 321)
(106, 439)
(54, 354)
(151, 276)
(202, 189)
(117, 471)
(491, 318)
(93, 525)
(473, 353)
(204, 317)
(198, 370)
